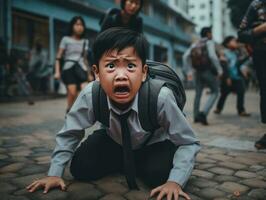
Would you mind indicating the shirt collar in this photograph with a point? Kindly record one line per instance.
(133, 106)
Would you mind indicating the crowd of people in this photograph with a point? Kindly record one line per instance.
(118, 61)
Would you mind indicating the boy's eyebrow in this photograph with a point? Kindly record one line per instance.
(115, 58)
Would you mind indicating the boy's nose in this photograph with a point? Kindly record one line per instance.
(121, 76)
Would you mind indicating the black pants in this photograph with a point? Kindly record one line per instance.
(260, 66)
(238, 86)
(99, 156)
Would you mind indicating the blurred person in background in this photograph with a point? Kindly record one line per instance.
(232, 79)
(126, 17)
(71, 60)
(38, 68)
(252, 30)
(201, 58)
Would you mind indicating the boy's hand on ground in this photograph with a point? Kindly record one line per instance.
(169, 189)
(47, 183)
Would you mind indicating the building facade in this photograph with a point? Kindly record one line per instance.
(213, 13)
(166, 28)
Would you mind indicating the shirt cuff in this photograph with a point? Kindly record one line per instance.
(56, 170)
(179, 177)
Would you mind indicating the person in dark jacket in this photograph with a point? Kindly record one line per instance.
(252, 30)
(126, 17)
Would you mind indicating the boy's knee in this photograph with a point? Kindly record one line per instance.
(155, 176)
(83, 172)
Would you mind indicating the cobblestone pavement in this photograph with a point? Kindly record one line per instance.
(228, 167)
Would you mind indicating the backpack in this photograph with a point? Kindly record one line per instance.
(199, 55)
(158, 75)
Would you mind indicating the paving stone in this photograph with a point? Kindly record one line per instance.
(262, 173)
(112, 197)
(203, 183)
(7, 176)
(52, 194)
(205, 166)
(33, 169)
(112, 187)
(221, 171)
(244, 160)
(258, 194)
(211, 193)
(19, 148)
(256, 168)
(223, 178)
(232, 187)
(194, 197)
(232, 165)
(20, 153)
(4, 163)
(11, 168)
(219, 157)
(137, 195)
(21, 192)
(24, 181)
(256, 183)
(43, 159)
(7, 187)
(3, 156)
(84, 190)
(203, 174)
(192, 189)
(10, 197)
(206, 160)
(245, 174)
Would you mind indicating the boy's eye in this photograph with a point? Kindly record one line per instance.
(110, 65)
(131, 65)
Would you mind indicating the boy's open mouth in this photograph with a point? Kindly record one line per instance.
(121, 90)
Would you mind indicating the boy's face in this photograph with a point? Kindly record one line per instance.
(121, 74)
(233, 44)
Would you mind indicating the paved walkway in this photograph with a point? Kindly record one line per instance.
(228, 166)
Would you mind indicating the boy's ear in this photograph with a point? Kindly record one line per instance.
(96, 71)
(144, 71)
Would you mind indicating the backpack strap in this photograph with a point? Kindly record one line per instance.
(100, 105)
(147, 103)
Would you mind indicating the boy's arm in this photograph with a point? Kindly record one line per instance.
(80, 117)
(187, 64)
(181, 134)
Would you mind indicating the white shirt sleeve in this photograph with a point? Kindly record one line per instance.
(79, 118)
(181, 134)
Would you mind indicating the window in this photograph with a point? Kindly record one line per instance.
(202, 17)
(26, 28)
(202, 6)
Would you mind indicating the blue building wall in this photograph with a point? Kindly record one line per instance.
(171, 38)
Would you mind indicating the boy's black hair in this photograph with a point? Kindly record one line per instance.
(227, 40)
(118, 38)
(123, 2)
(204, 31)
(71, 25)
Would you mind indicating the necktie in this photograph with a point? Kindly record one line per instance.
(128, 157)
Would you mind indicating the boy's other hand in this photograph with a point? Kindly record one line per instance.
(47, 183)
(169, 189)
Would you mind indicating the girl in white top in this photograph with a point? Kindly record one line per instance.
(73, 48)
